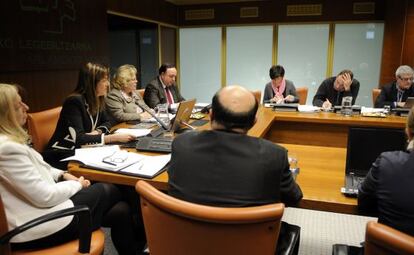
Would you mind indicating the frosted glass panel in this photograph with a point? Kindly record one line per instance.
(302, 51)
(249, 56)
(359, 47)
(200, 62)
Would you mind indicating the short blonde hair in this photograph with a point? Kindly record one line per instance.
(123, 75)
(9, 124)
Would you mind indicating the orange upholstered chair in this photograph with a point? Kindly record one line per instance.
(381, 239)
(90, 243)
(41, 126)
(141, 92)
(258, 95)
(302, 94)
(175, 226)
(375, 94)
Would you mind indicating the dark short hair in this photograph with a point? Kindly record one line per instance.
(348, 72)
(230, 119)
(164, 67)
(276, 71)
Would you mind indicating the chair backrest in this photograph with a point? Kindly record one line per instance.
(375, 93)
(72, 247)
(141, 92)
(303, 94)
(381, 240)
(175, 226)
(41, 126)
(4, 249)
(258, 95)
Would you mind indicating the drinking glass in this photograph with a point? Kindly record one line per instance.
(346, 108)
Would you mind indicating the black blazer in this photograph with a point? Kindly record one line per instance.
(73, 124)
(154, 93)
(388, 191)
(221, 168)
(388, 95)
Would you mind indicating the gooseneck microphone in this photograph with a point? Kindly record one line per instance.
(148, 110)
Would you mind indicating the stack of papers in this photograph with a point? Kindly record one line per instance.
(113, 159)
(308, 108)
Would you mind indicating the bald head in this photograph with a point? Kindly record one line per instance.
(234, 107)
(236, 99)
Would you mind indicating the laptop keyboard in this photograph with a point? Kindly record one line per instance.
(154, 144)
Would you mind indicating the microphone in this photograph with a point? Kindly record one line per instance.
(148, 110)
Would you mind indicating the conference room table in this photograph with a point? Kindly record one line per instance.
(317, 140)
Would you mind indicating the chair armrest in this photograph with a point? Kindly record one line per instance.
(85, 228)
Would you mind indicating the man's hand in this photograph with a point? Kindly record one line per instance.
(326, 104)
(347, 81)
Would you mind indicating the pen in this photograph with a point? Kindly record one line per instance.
(109, 163)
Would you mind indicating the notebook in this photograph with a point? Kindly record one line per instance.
(364, 146)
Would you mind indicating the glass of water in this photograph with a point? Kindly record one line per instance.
(346, 108)
(162, 113)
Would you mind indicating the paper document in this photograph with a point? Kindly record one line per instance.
(105, 157)
(149, 166)
(113, 159)
(135, 132)
(308, 108)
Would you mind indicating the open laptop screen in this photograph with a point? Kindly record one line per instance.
(366, 144)
(183, 114)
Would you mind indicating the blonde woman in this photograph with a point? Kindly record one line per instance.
(31, 188)
(123, 103)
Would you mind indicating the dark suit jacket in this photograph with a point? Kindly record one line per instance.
(73, 124)
(228, 169)
(388, 95)
(388, 191)
(154, 93)
(327, 91)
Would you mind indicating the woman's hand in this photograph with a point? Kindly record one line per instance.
(85, 183)
(123, 138)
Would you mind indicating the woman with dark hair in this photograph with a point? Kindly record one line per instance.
(83, 121)
(279, 90)
(31, 188)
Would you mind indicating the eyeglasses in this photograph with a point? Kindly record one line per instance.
(116, 158)
(406, 79)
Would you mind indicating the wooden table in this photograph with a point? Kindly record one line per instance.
(317, 140)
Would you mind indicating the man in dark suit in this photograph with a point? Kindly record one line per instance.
(388, 189)
(162, 89)
(226, 167)
(396, 93)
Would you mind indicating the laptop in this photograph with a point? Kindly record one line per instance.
(156, 142)
(364, 146)
(409, 103)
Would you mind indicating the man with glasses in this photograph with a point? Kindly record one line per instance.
(396, 93)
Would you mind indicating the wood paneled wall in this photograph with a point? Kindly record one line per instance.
(46, 44)
(157, 10)
(47, 84)
(275, 11)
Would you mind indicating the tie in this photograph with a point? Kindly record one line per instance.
(169, 96)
